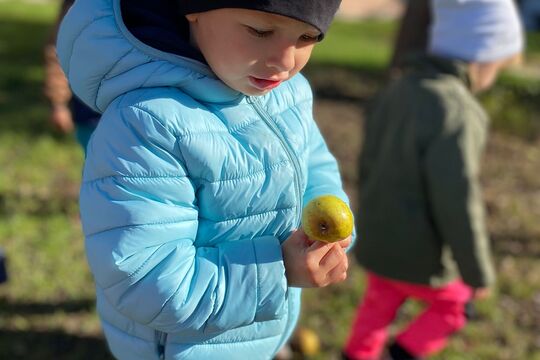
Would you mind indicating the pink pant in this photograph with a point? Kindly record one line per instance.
(427, 334)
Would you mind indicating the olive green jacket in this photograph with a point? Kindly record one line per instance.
(421, 214)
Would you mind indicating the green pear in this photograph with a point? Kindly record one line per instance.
(327, 218)
(308, 342)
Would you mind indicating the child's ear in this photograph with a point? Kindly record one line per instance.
(192, 18)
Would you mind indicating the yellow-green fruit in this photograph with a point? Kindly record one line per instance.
(327, 218)
(308, 342)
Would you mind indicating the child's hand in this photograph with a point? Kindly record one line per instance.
(61, 118)
(314, 263)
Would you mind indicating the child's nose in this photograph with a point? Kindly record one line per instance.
(282, 59)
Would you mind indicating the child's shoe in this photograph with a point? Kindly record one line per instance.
(396, 352)
(3, 270)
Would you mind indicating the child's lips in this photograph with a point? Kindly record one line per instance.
(264, 84)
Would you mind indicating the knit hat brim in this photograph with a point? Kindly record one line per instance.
(318, 13)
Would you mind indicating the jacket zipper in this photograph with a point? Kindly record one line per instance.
(292, 158)
(161, 340)
(161, 337)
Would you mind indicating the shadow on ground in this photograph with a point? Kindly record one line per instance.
(50, 344)
(8, 308)
(19, 340)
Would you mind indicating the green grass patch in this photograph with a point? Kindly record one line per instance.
(24, 28)
(362, 45)
(513, 105)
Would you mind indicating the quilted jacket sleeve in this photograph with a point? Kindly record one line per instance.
(452, 167)
(140, 219)
(323, 170)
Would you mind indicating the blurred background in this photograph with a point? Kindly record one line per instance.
(47, 306)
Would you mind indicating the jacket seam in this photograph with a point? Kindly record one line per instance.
(235, 341)
(239, 127)
(143, 84)
(136, 271)
(105, 75)
(201, 133)
(250, 175)
(159, 223)
(258, 285)
(154, 116)
(169, 299)
(290, 106)
(251, 215)
(76, 38)
(230, 131)
(141, 177)
(204, 343)
(138, 177)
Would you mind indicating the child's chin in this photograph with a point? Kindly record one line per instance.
(248, 89)
(254, 92)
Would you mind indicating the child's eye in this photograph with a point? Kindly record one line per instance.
(259, 33)
(309, 38)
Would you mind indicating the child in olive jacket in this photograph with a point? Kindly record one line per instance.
(421, 226)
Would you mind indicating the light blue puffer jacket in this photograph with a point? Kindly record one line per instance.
(189, 188)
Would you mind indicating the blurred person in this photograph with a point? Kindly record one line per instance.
(421, 223)
(412, 35)
(3, 267)
(67, 112)
(197, 173)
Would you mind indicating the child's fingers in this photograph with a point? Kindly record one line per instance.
(298, 238)
(309, 242)
(346, 242)
(318, 245)
(314, 254)
(338, 273)
(323, 259)
(333, 258)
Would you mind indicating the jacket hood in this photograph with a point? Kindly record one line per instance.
(110, 47)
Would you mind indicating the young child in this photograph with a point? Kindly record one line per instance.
(421, 218)
(412, 35)
(67, 112)
(197, 173)
(3, 267)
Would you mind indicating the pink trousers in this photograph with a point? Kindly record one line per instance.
(427, 334)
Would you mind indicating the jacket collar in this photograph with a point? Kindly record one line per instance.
(438, 65)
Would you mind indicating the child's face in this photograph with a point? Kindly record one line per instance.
(252, 51)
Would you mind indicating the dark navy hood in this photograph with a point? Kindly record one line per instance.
(159, 24)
